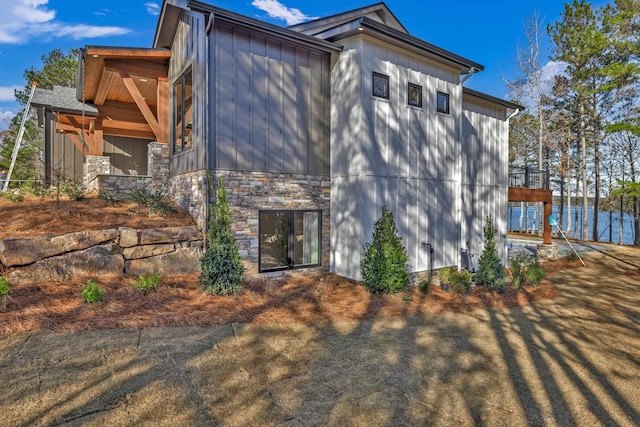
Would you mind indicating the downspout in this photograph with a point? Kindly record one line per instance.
(458, 208)
(207, 129)
(471, 72)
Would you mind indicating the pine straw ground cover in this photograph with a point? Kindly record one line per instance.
(179, 301)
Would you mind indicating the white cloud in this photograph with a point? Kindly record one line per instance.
(277, 10)
(5, 119)
(7, 93)
(152, 8)
(24, 19)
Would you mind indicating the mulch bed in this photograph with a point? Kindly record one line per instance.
(179, 301)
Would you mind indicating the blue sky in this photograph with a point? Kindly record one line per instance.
(484, 31)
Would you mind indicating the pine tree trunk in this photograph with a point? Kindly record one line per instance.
(585, 193)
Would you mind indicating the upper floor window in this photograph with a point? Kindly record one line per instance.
(414, 95)
(183, 114)
(380, 86)
(442, 103)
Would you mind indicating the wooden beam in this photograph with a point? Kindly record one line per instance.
(121, 111)
(523, 194)
(163, 109)
(90, 138)
(103, 87)
(141, 103)
(140, 68)
(123, 52)
(128, 133)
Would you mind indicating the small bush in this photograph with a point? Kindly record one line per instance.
(109, 196)
(460, 281)
(221, 265)
(29, 187)
(518, 267)
(4, 287)
(14, 197)
(147, 282)
(73, 189)
(444, 275)
(155, 201)
(425, 286)
(535, 273)
(384, 266)
(490, 272)
(91, 292)
(570, 255)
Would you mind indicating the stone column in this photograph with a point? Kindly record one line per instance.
(94, 166)
(158, 162)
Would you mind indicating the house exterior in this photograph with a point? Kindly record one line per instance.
(314, 128)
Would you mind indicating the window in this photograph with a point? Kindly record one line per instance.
(414, 95)
(183, 117)
(443, 103)
(380, 85)
(289, 239)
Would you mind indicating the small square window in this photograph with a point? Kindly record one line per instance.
(380, 85)
(443, 103)
(414, 95)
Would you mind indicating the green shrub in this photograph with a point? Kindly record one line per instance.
(384, 266)
(155, 201)
(570, 255)
(460, 281)
(14, 197)
(108, 196)
(73, 189)
(535, 273)
(29, 187)
(490, 272)
(91, 292)
(222, 270)
(518, 268)
(444, 275)
(147, 282)
(4, 287)
(425, 286)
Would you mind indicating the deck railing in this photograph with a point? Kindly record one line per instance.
(528, 178)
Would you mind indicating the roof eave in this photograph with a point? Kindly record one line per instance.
(492, 99)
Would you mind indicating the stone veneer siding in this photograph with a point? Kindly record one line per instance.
(189, 190)
(249, 192)
(94, 166)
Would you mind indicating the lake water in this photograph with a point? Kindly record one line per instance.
(603, 223)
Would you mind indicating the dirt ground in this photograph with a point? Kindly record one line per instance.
(571, 360)
(41, 216)
(324, 352)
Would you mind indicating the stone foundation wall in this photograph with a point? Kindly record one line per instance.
(158, 163)
(94, 166)
(120, 184)
(190, 191)
(248, 192)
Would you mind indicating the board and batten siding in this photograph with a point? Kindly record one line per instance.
(63, 157)
(128, 156)
(272, 104)
(189, 50)
(484, 173)
(385, 152)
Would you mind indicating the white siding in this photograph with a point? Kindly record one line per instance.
(385, 152)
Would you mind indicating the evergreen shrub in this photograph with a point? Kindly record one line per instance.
(490, 272)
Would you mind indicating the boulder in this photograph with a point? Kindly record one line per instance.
(182, 260)
(147, 251)
(98, 260)
(152, 236)
(27, 250)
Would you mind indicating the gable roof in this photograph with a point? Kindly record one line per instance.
(377, 12)
(62, 99)
(172, 10)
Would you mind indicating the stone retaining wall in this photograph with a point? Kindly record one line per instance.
(168, 250)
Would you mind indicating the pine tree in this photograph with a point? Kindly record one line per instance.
(490, 272)
(222, 268)
(384, 267)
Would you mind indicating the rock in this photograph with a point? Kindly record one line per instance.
(183, 260)
(169, 234)
(147, 251)
(129, 237)
(98, 260)
(27, 250)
